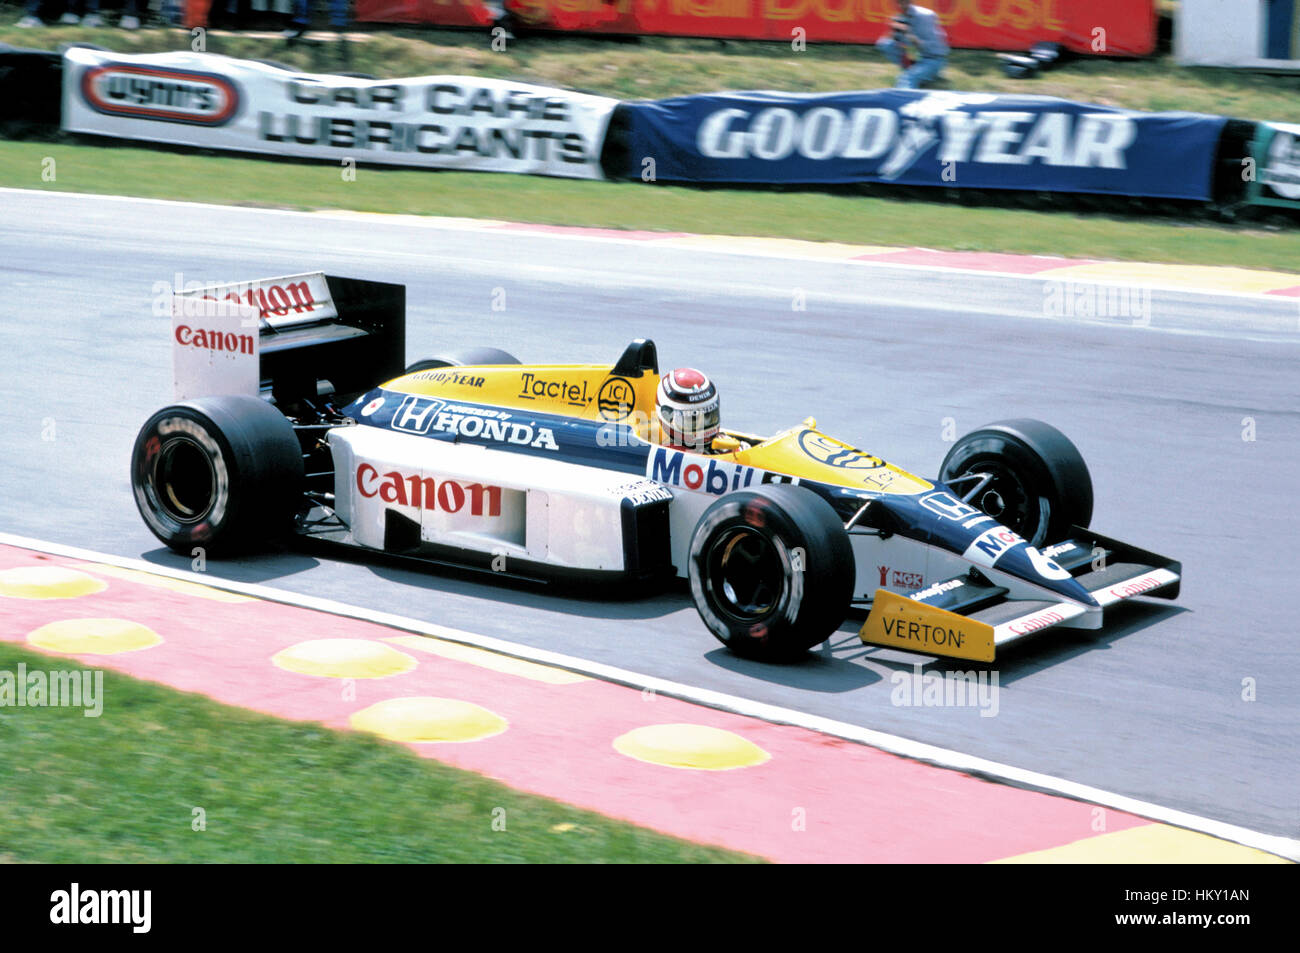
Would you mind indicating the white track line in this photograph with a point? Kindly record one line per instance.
(941, 757)
(576, 233)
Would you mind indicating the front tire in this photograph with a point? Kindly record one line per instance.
(223, 473)
(1040, 486)
(469, 357)
(771, 571)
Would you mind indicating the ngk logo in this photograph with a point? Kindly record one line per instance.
(426, 493)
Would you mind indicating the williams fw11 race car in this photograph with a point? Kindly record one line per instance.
(295, 413)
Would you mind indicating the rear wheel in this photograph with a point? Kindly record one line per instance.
(469, 357)
(771, 571)
(1025, 474)
(224, 473)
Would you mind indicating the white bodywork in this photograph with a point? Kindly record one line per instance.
(546, 511)
(566, 515)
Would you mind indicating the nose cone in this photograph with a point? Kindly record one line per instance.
(941, 519)
(1028, 563)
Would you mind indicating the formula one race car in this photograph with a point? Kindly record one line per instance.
(295, 413)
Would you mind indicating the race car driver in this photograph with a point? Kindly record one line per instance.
(689, 413)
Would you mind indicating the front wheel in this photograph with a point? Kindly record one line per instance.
(771, 571)
(223, 473)
(1025, 474)
(469, 357)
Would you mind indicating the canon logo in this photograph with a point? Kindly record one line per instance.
(1135, 587)
(214, 340)
(1035, 622)
(277, 300)
(426, 493)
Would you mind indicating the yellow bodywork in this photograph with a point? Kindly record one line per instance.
(593, 392)
(899, 622)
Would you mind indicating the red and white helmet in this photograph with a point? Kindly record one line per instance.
(689, 409)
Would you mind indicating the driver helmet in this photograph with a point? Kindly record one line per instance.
(689, 409)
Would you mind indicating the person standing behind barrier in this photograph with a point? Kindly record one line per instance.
(302, 17)
(130, 19)
(919, 27)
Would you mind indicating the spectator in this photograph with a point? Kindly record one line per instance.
(90, 18)
(89, 14)
(920, 28)
(302, 17)
(32, 18)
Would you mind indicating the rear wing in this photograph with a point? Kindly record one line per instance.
(288, 339)
(970, 617)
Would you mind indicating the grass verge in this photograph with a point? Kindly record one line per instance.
(122, 788)
(814, 216)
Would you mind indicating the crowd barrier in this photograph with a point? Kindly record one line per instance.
(976, 147)
(920, 138)
(30, 83)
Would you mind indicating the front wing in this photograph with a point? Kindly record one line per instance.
(969, 617)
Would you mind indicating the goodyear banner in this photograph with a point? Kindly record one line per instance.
(916, 137)
(446, 122)
(1093, 27)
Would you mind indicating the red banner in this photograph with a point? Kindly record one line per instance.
(1103, 27)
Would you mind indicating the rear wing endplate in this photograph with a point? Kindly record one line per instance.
(288, 339)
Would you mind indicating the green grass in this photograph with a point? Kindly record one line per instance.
(122, 788)
(660, 67)
(815, 216)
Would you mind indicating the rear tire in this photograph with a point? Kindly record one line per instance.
(771, 571)
(223, 473)
(469, 357)
(1041, 485)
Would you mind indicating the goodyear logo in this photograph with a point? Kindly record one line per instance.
(162, 94)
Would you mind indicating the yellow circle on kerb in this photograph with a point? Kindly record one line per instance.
(344, 658)
(47, 582)
(690, 746)
(425, 719)
(94, 636)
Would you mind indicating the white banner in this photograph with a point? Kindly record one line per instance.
(445, 122)
(1256, 34)
(1280, 175)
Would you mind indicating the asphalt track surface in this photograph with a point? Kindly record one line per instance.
(1152, 708)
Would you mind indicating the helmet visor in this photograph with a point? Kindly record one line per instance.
(692, 427)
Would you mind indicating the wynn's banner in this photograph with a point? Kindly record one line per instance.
(446, 122)
(1104, 27)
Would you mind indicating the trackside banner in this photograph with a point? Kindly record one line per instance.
(914, 137)
(446, 122)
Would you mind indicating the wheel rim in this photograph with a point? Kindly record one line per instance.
(746, 576)
(1005, 497)
(185, 480)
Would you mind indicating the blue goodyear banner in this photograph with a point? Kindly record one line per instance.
(918, 137)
